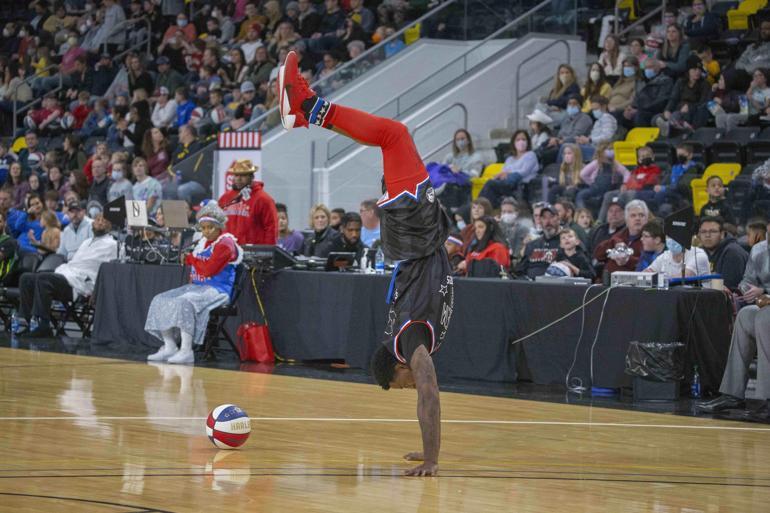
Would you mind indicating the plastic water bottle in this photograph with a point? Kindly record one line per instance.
(662, 281)
(695, 387)
(14, 323)
(379, 262)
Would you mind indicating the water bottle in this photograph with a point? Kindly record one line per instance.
(662, 281)
(14, 323)
(33, 324)
(379, 262)
(695, 387)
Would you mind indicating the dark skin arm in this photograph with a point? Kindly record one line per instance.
(428, 413)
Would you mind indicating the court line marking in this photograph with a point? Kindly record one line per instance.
(374, 420)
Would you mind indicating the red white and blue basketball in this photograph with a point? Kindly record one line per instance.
(228, 426)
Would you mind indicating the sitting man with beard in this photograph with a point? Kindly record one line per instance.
(540, 253)
(350, 241)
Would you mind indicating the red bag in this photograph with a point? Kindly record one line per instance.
(254, 343)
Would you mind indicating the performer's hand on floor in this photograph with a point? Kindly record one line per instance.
(414, 456)
(426, 469)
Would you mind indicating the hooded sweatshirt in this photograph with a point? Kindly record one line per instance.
(729, 259)
(251, 215)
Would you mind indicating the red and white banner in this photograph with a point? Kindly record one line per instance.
(232, 146)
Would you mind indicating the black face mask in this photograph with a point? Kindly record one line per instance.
(236, 187)
(682, 159)
(646, 161)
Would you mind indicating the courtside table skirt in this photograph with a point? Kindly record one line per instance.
(320, 315)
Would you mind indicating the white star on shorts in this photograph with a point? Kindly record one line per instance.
(443, 290)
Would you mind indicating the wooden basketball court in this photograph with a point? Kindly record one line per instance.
(83, 434)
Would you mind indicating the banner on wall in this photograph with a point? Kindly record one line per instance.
(232, 146)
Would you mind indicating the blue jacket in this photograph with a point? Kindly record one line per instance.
(184, 113)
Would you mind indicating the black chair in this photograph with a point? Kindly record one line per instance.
(664, 151)
(737, 194)
(215, 331)
(9, 296)
(758, 149)
(701, 140)
(730, 147)
(78, 311)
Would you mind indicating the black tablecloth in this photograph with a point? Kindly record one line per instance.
(317, 315)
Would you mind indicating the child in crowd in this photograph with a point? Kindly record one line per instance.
(98, 120)
(101, 152)
(717, 205)
(572, 255)
(674, 188)
(710, 64)
(121, 186)
(80, 110)
(49, 241)
(585, 219)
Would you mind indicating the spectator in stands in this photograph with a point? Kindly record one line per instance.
(454, 250)
(725, 96)
(182, 30)
(51, 236)
(686, 109)
(756, 232)
(596, 85)
(653, 244)
(77, 231)
(155, 150)
(572, 257)
(678, 263)
(101, 184)
(17, 93)
(46, 119)
(636, 51)
(184, 108)
(709, 63)
(130, 132)
(78, 185)
(585, 219)
(56, 182)
(519, 168)
(103, 75)
(488, 244)
(600, 175)
(702, 25)
(717, 204)
(164, 113)
(725, 255)
(319, 242)
(9, 257)
(350, 240)
(566, 212)
(650, 99)
(464, 160)
(330, 29)
(604, 127)
(109, 33)
(146, 188)
(758, 201)
(288, 239)
(514, 228)
(611, 62)
(120, 186)
(283, 38)
(751, 338)
(758, 96)
(574, 124)
(565, 86)
(659, 31)
(251, 213)
(98, 121)
(673, 189)
(756, 55)
(569, 174)
(370, 219)
(27, 227)
(17, 184)
(335, 219)
(261, 67)
(167, 77)
(138, 78)
(643, 181)
(540, 132)
(479, 207)
(188, 145)
(73, 157)
(541, 252)
(308, 19)
(68, 281)
(637, 215)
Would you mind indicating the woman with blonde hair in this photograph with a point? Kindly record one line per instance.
(564, 85)
(611, 59)
(600, 175)
(596, 85)
(569, 174)
(49, 241)
(319, 242)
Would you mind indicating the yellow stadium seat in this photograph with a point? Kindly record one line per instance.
(478, 183)
(625, 152)
(412, 34)
(738, 19)
(628, 4)
(726, 171)
(19, 144)
(643, 135)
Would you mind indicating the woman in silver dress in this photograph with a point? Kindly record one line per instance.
(184, 312)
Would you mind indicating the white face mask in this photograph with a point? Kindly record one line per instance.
(460, 225)
(22, 33)
(508, 217)
(461, 144)
(117, 175)
(6, 32)
(595, 76)
(181, 23)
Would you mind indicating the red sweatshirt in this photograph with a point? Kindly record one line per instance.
(252, 221)
(224, 253)
(494, 250)
(643, 176)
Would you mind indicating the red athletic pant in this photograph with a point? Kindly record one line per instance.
(403, 167)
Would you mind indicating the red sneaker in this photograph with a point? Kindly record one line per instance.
(292, 91)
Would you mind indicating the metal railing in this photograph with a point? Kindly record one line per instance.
(436, 116)
(29, 105)
(519, 95)
(126, 23)
(339, 145)
(660, 9)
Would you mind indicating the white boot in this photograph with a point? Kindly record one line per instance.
(168, 350)
(185, 353)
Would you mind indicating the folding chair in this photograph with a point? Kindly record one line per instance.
(215, 331)
(9, 296)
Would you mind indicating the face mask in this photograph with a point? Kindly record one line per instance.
(181, 23)
(461, 144)
(83, 28)
(92, 213)
(646, 161)
(649, 73)
(508, 218)
(595, 76)
(682, 159)
(6, 32)
(628, 71)
(460, 225)
(117, 175)
(674, 247)
(565, 77)
(597, 113)
(610, 154)
(572, 110)
(521, 146)
(22, 33)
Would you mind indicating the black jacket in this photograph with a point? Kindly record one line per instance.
(599, 234)
(538, 255)
(718, 209)
(320, 244)
(341, 245)
(581, 260)
(729, 259)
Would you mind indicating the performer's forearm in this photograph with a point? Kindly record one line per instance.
(428, 403)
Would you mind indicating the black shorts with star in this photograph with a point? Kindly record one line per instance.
(421, 292)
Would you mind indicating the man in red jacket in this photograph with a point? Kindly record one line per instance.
(637, 215)
(251, 214)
